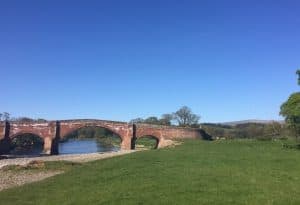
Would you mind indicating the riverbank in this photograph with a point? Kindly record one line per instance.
(197, 172)
(67, 157)
(19, 171)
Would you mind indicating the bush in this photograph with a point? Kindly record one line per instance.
(291, 146)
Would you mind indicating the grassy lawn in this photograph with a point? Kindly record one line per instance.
(197, 172)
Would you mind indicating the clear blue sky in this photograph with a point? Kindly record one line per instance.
(118, 60)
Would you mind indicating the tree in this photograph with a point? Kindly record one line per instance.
(291, 111)
(137, 120)
(273, 129)
(24, 119)
(185, 117)
(166, 119)
(298, 73)
(152, 120)
(6, 116)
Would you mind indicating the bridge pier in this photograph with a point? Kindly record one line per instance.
(5, 145)
(5, 141)
(126, 144)
(47, 145)
(127, 138)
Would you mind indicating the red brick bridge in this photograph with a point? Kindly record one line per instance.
(53, 131)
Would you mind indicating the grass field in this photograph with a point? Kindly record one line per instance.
(197, 172)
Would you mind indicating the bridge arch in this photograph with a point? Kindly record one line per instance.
(20, 133)
(123, 130)
(111, 135)
(26, 143)
(149, 141)
(65, 134)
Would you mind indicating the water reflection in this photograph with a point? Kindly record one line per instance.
(70, 146)
(33, 151)
(80, 146)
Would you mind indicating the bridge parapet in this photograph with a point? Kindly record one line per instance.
(168, 132)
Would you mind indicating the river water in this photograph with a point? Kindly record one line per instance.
(75, 146)
(71, 146)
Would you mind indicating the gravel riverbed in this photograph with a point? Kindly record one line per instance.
(10, 178)
(68, 157)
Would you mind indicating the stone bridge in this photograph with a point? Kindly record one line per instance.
(53, 131)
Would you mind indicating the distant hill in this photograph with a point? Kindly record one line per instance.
(233, 123)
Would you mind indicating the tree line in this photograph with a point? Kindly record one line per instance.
(260, 131)
(183, 117)
(5, 116)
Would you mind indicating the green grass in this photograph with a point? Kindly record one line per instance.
(146, 142)
(197, 172)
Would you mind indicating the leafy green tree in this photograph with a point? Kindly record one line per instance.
(291, 111)
(298, 73)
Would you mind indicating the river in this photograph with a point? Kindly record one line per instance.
(71, 146)
(76, 146)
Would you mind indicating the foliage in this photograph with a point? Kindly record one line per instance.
(152, 120)
(27, 119)
(5, 116)
(197, 172)
(184, 118)
(103, 135)
(146, 142)
(291, 111)
(268, 131)
(137, 120)
(26, 143)
(166, 119)
(27, 140)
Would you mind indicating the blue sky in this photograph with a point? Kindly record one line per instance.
(118, 60)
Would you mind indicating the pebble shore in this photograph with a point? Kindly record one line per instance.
(10, 178)
(68, 157)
